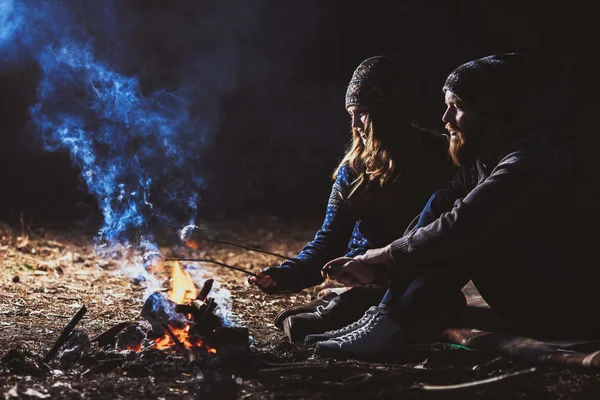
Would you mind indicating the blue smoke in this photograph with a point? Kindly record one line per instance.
(134, 91)
(123, 142)
(137, 149)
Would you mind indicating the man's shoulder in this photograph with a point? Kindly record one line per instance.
(540, 158)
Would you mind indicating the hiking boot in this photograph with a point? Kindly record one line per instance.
(341, 311)
(303, 308)
(296, 327)
(310, 339)
(380, 336)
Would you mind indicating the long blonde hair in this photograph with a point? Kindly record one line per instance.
(384, 157)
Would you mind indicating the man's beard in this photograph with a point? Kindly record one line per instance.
(462, 150)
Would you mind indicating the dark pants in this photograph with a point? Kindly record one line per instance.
(524, 299)
(435, 298)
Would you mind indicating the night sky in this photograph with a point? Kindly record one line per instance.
(267, 79)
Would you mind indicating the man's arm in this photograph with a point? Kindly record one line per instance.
(475, 225)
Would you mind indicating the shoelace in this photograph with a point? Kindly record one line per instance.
(361, 333)
(353, 325)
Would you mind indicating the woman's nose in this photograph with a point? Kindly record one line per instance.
(356, 123)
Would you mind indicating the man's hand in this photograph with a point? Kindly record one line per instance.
(349, 271)
(382, 255)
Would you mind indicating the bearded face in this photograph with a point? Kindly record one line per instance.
(463, 145)
(465, 128)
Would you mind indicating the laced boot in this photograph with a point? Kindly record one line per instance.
(314, 338)
(380, 336)
(341, 311)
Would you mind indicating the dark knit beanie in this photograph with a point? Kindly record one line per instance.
(491, 84)
(376, 84)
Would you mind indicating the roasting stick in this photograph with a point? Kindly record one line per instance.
(213, 262)
(192, 236)
(247, 248)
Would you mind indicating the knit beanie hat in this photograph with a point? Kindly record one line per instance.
(376, 84)
(491, 84)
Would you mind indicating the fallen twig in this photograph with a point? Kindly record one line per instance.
(457, 386)
(474, 383)
(65, 334)
(310, 368)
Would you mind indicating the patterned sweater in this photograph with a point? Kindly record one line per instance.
(370, 218)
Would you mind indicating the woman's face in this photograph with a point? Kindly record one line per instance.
(358, 117)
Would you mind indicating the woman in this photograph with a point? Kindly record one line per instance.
(388, 173)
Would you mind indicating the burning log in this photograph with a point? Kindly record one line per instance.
(158, 309)
(201, 311)
(206, 288)
(64, 336)
(130, 338)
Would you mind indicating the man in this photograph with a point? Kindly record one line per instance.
(512, 230)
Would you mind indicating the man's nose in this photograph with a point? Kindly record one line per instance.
(447, 116)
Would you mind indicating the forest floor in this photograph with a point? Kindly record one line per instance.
(47, 275)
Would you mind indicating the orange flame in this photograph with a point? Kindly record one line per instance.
(166, 341)
(182, 334)
(183, 288)
(137, 348)
(182, 291)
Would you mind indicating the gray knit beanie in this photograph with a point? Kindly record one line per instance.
(491, 84)
(376, 84)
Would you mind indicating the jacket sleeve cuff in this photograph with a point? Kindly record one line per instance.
(399, 247)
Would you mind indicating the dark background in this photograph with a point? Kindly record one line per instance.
(282, 126)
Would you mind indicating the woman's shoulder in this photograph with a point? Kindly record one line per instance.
(345, 174)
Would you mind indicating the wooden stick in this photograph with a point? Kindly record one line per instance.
(247, 248)
(211, 261)
(108, 336)
(65, 334)
(522, 347)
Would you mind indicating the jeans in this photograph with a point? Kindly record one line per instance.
(435, 297)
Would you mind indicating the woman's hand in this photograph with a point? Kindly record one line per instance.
(264, 280)
(349, 271)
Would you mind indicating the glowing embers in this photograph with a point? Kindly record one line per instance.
(184, 319)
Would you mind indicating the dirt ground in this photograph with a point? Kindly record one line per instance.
(47, 275)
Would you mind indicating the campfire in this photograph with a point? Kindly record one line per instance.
(184, 320)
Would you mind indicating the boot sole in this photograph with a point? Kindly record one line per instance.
(312, 339)
(387, 354)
